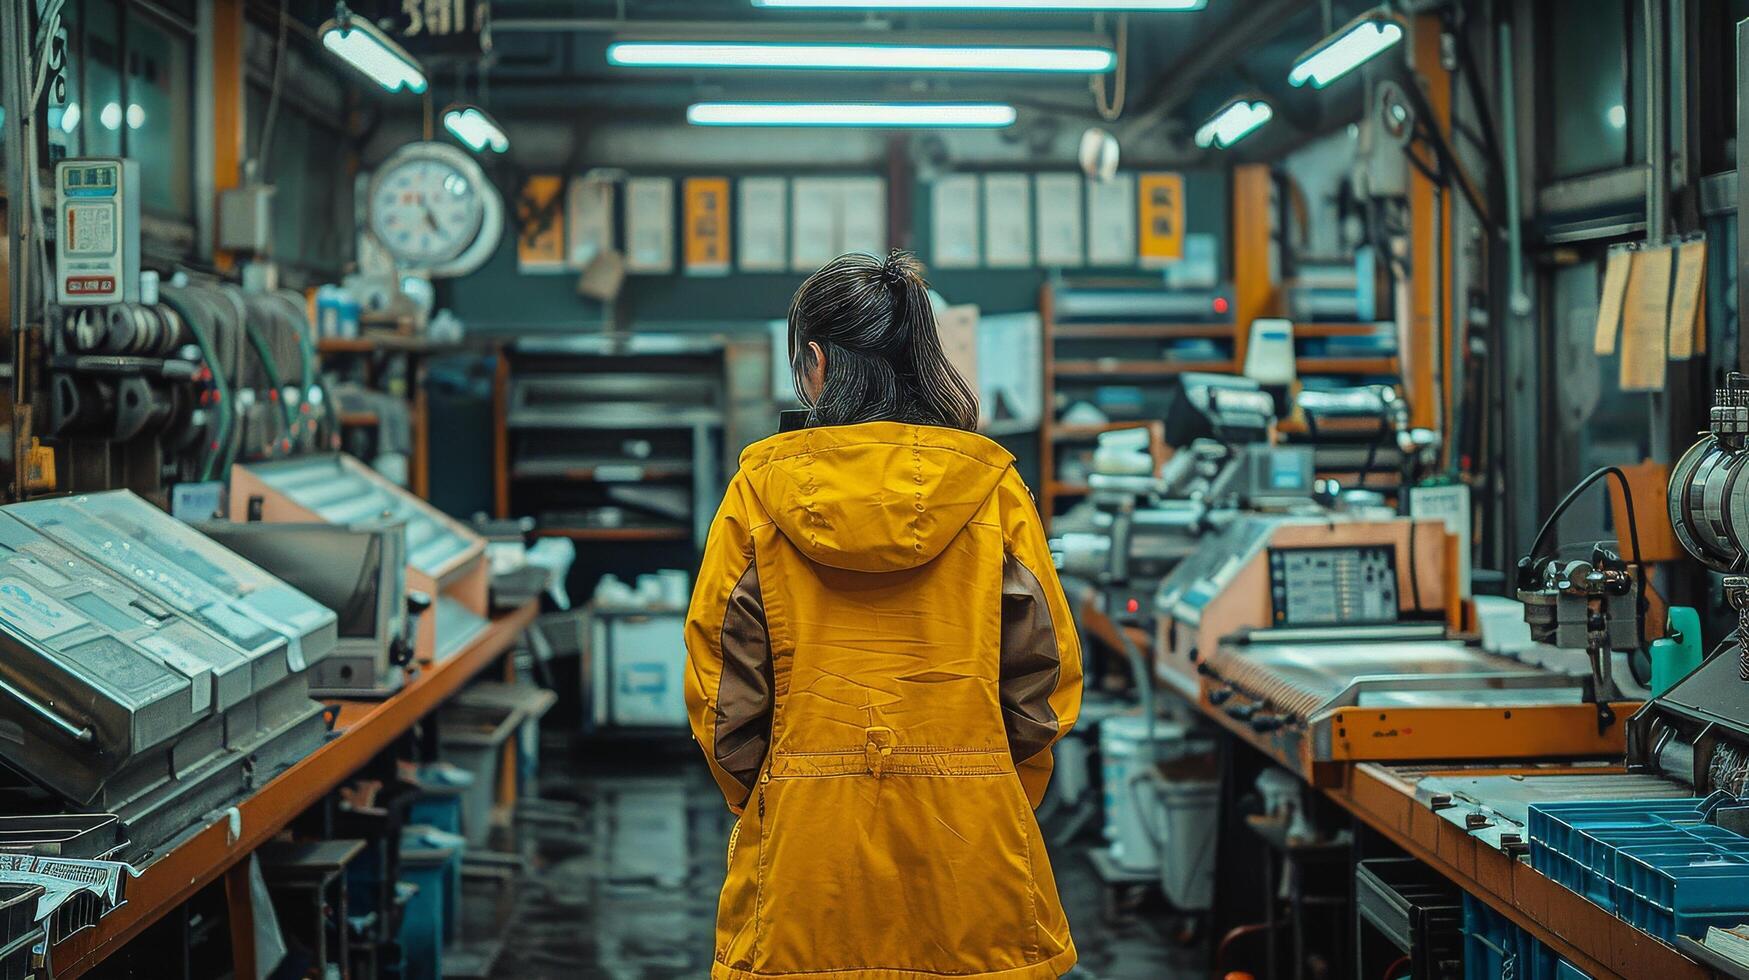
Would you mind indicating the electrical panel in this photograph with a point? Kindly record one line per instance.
(1333, 586)
(97, 231)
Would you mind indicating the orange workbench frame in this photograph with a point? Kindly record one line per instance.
(367, 728)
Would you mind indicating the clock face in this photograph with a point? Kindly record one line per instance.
(426, 211)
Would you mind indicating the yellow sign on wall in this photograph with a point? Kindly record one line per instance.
(540, 225)
(1160, 228)
(706, 201)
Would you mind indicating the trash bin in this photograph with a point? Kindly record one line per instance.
(1130, 809)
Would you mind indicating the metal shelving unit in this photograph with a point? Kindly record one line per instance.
(620, 437)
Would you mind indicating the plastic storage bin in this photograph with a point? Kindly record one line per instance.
(1189, 813)
(1654, 863)
(1495, 948)
(1132, 808)
(431, 860)
(1576, 843)
(1420, 913)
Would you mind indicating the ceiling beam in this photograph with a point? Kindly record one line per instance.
(1238, 34)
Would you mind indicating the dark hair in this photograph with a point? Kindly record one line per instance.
(884, 360)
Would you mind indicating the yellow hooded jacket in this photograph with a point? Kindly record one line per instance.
(880, 659)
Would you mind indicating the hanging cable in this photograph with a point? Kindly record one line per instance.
(222, 407)
(1627, 496)
(265, 143)
(1110, 110)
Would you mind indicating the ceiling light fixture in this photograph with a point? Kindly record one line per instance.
(904, 57)
(1359, 41)
(361, 44)
(1120, 6)
(1233, 122)
(868, 115)
(476, 129)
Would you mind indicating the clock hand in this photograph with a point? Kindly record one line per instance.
(430, 215)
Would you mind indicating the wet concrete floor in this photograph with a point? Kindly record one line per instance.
(628, 856)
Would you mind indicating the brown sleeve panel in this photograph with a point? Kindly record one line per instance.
(743, 722)
(1029, 665)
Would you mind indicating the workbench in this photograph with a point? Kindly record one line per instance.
(363, 730)
(1382, 796)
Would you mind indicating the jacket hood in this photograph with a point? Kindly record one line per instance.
(877, 496)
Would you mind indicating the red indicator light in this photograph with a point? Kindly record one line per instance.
(1134, 605)
(1220, 304)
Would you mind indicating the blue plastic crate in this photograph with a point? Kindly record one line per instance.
(1576, 843)
(1495, 948)
(1654, 863)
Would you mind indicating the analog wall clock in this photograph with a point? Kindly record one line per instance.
(432, 207)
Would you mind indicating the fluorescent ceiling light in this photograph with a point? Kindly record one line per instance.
(871, 115)
(1117, 5)
(1347, 49)
(1235, 121)
(910, 57)
(360, 44)
(477, 130)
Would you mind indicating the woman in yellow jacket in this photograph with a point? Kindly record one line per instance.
(880, 659)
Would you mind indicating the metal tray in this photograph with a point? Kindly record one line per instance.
(69, 835)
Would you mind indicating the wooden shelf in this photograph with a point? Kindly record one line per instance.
(366, 728)
(1070, 430)
(386, 343)
(1116, 368)
(1346, 365)
(617, 473)
(1306, 331)
(359, 419)
(1141, 331)
(615, 533)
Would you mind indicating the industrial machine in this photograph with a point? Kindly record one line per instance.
(1687, 743)
(1327, 642)
(1136, 525)
(179, 385)
(1698, 731)
(445, 559)
(358, 571)
(146, 671)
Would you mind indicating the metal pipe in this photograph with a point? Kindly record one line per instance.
(1676, 32)
(1657, 189)
(1742, 196)
(1513, 219)
(1657, 88)
(14, 87)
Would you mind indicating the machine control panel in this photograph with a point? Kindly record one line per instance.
(1333, 586)
(97, 236)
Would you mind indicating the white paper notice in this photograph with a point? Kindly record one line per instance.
(813, 222)
(1111, 221)
(589, 224)
(953, 210)
(1010, 371)
(764, 229)
(1007, 221)
(1059, 219)
(863, 221)
(650, 225)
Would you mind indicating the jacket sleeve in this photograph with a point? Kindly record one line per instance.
(1041, 650)
(728, 677)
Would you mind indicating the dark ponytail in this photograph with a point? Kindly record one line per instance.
(884, 360)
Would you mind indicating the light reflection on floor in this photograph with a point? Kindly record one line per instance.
(630, 862)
